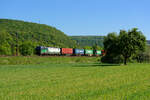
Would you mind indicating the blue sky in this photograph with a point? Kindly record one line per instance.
(81, 17)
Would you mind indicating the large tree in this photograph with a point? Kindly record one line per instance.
(131, 43)
(126, 44)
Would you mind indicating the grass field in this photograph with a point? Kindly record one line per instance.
(75, 81)
(15, 60)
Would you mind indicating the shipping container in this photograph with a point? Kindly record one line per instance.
(88, 52)
(52, 50)
(98, 52)
(65, 51)
(78, 51)
(43, 51)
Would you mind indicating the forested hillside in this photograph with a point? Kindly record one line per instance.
(83, 41)
(148, 42)
(15, 35)
(88, 40)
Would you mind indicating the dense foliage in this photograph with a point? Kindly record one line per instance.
(131, 43)
(143, 56)
(126, 44)
(111, 43)
(83, 41)
(14, 33)
(27, 48)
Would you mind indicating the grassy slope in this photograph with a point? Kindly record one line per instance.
(74, 81)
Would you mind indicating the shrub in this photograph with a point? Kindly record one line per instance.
(27, 48)
(5, 49)
(112, 59)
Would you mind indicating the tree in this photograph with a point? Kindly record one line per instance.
(96, 47)
(4, 43)
(111, 43)
(131, 43)
(126, 45)
(5, 49)
(87, 47)
(111, 46)
(27, 48)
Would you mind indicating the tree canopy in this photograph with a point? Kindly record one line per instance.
(126, 44)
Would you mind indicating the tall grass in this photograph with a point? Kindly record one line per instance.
(15, 60)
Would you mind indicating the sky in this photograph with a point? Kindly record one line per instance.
(81, 17)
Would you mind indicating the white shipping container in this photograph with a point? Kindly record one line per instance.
(52, 50)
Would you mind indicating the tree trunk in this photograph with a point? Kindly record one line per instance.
(125, 61)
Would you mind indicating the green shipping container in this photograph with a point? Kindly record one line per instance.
(98, 52)
(88, 51)
(43, 50)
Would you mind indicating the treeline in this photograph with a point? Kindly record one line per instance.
(148, 42)
(83, 41)
(21, 38)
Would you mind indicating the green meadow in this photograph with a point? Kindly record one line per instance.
(71, 78)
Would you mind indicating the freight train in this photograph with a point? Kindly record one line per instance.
(41, 50)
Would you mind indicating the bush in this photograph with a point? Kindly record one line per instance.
(142, 57)
(5, 49)
(112, 59)
(27, 48)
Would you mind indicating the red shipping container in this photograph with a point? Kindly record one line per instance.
(66, 50)
(103, 52)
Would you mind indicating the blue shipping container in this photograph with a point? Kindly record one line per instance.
(79, 51)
